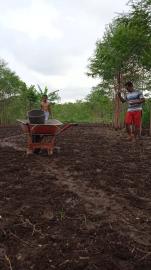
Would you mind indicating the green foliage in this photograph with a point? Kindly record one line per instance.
(10, 83)
(84, 111)
(99, 94)
(147, 113)
(29, 98)
(52, 96)
(11, 88)
(72, 112)
(16, 98)
(31, 94)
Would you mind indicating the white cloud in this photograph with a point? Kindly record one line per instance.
(49, 41)
(37, 20)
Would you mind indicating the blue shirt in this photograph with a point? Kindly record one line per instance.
(132, 96)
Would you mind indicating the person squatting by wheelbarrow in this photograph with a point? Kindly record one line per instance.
(133, 117)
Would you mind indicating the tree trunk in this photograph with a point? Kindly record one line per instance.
(117, 102)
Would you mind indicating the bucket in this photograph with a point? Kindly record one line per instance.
(36, 117)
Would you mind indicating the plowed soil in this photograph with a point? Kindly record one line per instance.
(87, 207)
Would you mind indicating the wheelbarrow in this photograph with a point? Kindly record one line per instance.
(42, 136)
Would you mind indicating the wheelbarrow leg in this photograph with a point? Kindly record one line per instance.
(51, 146)
(36, 139)
(29, 150)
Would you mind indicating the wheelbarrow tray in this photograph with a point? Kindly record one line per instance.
(36, 134)
(39, 129)
(50, 128)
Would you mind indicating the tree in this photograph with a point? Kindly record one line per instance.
(125, 50)
(16, 98)
(10, 83)
(98, 94)
(52, 96)
(125, 47)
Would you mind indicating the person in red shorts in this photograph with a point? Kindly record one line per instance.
(133, 117)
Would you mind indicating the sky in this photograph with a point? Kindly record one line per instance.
(49, 42)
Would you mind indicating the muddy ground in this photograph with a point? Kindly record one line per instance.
(87, 207)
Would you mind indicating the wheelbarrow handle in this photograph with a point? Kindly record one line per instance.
(74, 124)
(66, 126)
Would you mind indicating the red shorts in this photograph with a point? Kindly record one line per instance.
(133, 118)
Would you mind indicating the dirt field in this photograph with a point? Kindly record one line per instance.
(87, 207)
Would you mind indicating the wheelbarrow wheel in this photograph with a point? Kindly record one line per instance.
(36, 151)
(36, 138)
(50, 152)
